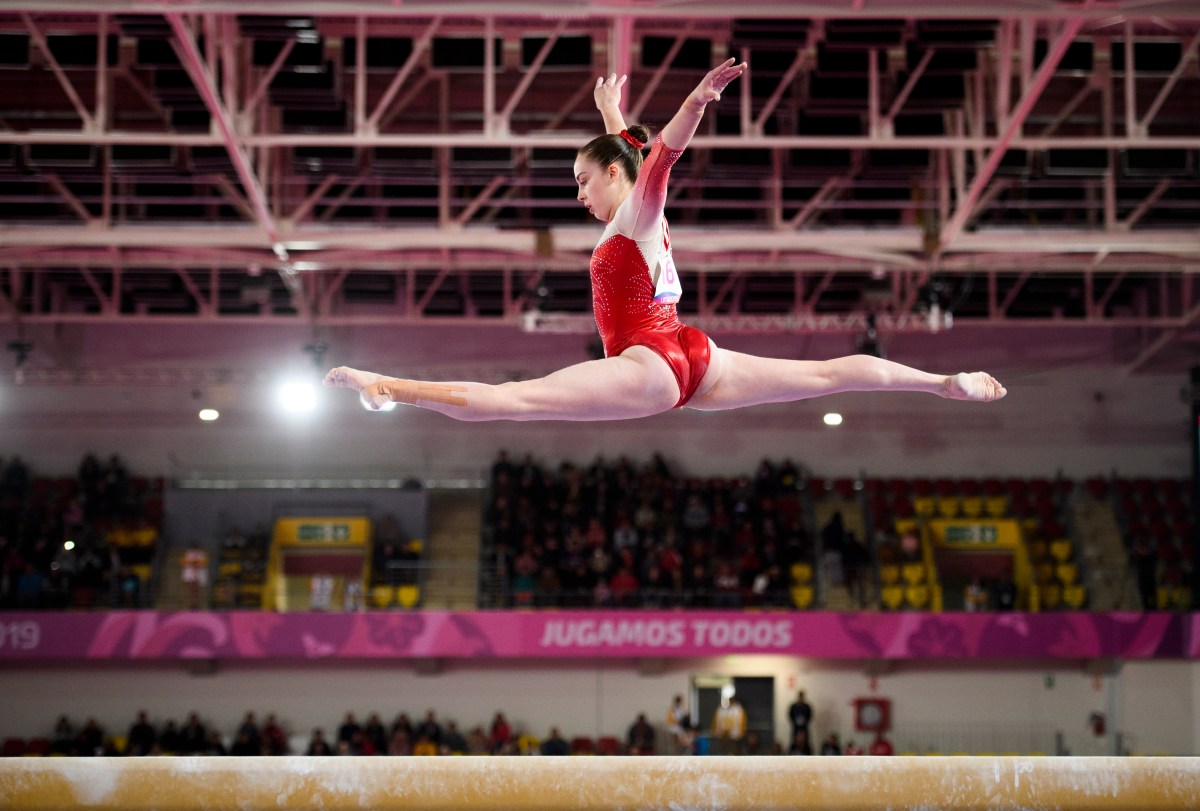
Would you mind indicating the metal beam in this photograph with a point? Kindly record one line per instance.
(1164, 340)
(39, 41)
(1038, 84)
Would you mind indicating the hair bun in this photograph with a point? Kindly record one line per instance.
(641, 132)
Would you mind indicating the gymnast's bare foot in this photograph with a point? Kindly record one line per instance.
(979, 387)
(365, 383)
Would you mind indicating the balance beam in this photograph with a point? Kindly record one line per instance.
(609, 783)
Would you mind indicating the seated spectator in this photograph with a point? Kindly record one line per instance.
(64, 736)
(359, 745)
(831, 746)
(851, 748)
(477, 742)
(641, 737)
(555, 745)
(401, 744)
(424, 747)
(91, 738)
(249, 726)
(624, 588)
(243, 745)
(348, 728)
(1006, 594)
(317, 745)
(194, 735)
(375, 733)
(753, 744)
(214, 745)
(142, 736)
(453, 742)
(274, 738)
(430, 728)
(501, 733)
(402, 723)
(800, 744)
(171, 741)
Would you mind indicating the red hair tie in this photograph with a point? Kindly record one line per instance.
(633, 141)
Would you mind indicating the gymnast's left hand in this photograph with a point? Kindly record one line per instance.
(712, 85)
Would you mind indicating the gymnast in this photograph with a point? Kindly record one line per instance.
(652, 362)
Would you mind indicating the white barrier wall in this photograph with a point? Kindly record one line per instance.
(1069, 407)
(1153, 703)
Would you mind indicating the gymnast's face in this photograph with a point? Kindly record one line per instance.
(600, 189)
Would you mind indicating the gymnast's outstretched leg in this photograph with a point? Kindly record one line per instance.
(736, 380)
(636, 383)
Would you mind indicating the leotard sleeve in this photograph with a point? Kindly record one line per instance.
(639, 216)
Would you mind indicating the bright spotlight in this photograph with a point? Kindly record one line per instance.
(69, 545)
(297, 397)
(209, 414)
(833, 418)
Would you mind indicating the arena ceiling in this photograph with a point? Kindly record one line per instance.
(884, 163)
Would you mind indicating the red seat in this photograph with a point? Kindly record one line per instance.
(38, 746)
(13, 747)
(1098, 487)
(582, 746)
(608, 745)
(970, 487)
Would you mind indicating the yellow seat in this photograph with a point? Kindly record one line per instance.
(381, 596)
(1074, 596)
(1037, 550)
(1067, 573)
(1060, 550)
(1051, 594)
(416, 546)
(528, 745)
(143, 571)
(917, 596)
(905, 526)
(802, 573)
(972, 507)
(229, 569)
(1029, 526)
(914, 573)
(802, 596)
(408, 596)
(996, 506)
(948, 508)
(889, 574)
(924, 507)
(1182, 597)
(892, 597)
(1044, 571)
(1164, 597)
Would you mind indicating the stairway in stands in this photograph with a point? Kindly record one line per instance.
(452, 551)
(1098, 538)
(836, 596)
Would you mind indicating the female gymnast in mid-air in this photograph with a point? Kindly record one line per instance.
(652, 362)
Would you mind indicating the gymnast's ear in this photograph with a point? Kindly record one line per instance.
(614, 170)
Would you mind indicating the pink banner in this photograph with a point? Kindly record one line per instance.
(148, 635)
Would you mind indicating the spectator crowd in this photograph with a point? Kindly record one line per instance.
(627, 536)
(84, 541)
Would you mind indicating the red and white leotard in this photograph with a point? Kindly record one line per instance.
(632, 260)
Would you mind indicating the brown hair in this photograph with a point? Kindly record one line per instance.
(606, 150)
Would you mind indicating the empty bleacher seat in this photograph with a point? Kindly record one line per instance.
(972, 507)
(1067, 573)
(802, 573)
(1051, 595)
(802, 596)
(914, 573)
(1074, 596)
(1060, 549)
(582, 746)
(892, 597)
(381, 596)
(948, 507)
(996, 506)
(889, 574)
(924, 507)
(408, 596)
(917, 596)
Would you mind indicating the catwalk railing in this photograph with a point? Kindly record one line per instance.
(731, 783)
